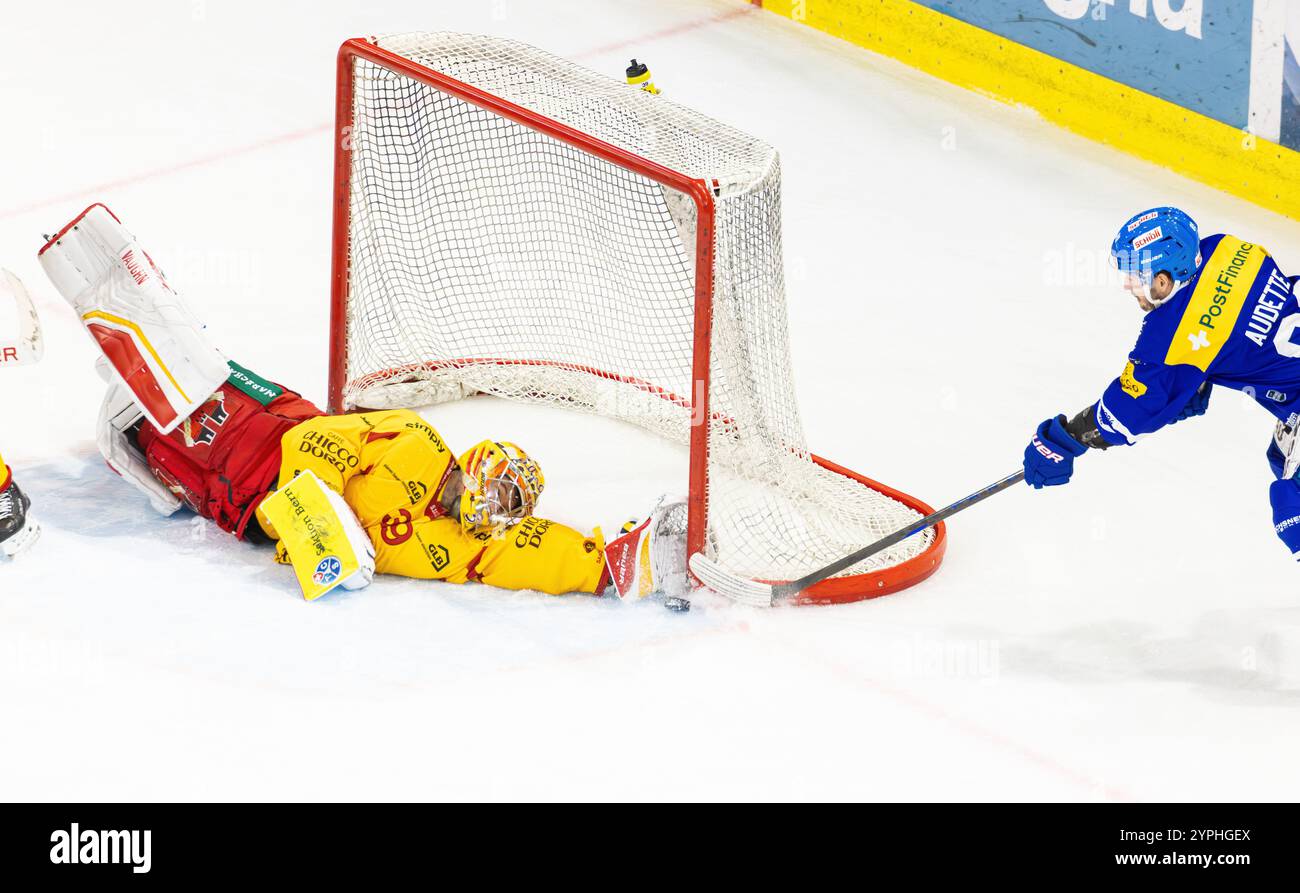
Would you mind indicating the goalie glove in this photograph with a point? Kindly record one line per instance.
(319, 535)
(651, 556)
(155, 344)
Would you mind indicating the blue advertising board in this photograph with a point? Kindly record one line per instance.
(1290, 135)
(1196, 53)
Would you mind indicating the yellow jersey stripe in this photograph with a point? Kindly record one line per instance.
(1220, 293)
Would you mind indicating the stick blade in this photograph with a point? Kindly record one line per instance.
(723, 582)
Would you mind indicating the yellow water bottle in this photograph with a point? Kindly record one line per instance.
(638, 75)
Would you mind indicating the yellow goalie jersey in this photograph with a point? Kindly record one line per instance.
(392, 468)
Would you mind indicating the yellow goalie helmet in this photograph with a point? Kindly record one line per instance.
(502, 486)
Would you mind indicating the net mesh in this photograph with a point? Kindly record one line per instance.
(487, 257)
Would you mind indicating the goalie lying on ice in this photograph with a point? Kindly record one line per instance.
(341, 497)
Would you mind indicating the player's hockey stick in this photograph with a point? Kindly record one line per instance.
(30, 346)
(751, 592)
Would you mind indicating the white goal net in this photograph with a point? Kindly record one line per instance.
(491, 247)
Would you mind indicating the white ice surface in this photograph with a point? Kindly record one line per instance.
(1135, 635)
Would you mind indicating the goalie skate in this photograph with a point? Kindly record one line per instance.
(18, 529)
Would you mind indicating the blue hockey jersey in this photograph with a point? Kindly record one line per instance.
(1234, 324)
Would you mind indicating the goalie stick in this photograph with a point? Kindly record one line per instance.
(30, 346)
(753, 592)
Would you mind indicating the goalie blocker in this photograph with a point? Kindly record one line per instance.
(319, 535)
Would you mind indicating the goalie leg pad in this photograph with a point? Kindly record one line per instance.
(118, 416)
(320, 536)
(154, 342)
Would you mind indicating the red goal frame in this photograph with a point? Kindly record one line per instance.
(834, 590)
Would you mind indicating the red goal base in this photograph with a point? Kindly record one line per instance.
(859, 587)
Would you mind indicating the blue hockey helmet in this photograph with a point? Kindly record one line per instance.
(1155, 240)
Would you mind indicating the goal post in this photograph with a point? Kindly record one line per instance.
(509, 223)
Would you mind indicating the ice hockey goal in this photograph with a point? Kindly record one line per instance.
(509, 223)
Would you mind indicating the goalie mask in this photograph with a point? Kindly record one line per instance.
(502, 486)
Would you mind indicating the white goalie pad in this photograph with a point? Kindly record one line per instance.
(117, 416)
(29, 346)
(153, 341)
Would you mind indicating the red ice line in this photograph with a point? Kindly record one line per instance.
(293, 136)
(101, 188)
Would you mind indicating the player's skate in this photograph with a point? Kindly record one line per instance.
(18, 529)
(651, 557)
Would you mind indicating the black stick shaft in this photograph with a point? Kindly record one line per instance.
(794, 587)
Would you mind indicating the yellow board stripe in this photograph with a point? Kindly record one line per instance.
(127, 324)
(1088, 104)
(1216, 303)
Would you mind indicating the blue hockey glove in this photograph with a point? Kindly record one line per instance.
(1199, 402)
(1049, 458)
(1285, 496)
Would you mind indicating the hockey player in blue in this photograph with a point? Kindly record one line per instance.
(1218, 312)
